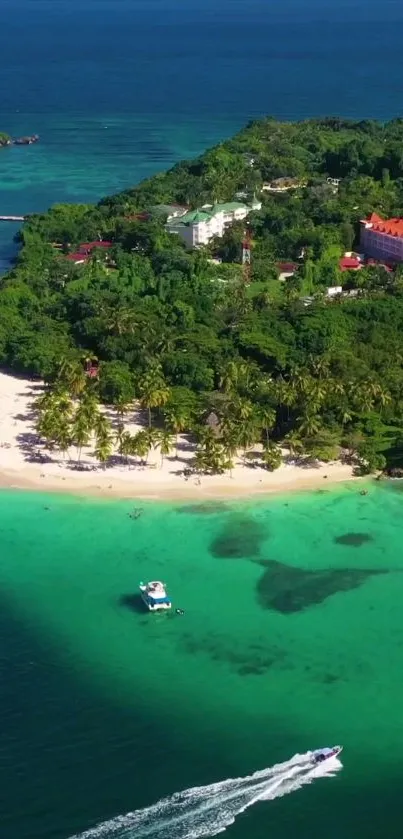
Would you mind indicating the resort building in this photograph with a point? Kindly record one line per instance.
(85, 250)
(350, 262)
(198, 227)
(286, 270)
(382, 239)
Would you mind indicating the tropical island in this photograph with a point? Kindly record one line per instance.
(239, 315)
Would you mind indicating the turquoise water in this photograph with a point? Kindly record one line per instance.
(291, 639)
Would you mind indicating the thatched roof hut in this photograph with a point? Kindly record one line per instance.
(213, 422)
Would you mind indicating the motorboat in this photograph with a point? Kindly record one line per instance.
(320, 755)
(154, 595)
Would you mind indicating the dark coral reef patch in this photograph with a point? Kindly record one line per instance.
(241, 538)
(353, 540)
(286, 589)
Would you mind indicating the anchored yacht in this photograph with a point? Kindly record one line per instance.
(154, 596)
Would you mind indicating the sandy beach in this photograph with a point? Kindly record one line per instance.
(25, 463)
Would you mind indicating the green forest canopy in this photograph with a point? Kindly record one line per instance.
(330, 373)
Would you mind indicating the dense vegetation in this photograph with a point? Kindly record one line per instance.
(188, 337)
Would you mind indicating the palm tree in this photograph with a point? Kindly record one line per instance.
(272, 456)
(104, 438)
(166, 444)
(103, 449)
(364, 400)
(230, 442)
(344, 412)
(123, 439)
(80, 432)
(64, 435)
(319, 366)
(241, 409)
(139, 446)
(267, 419)
(89, 408)
(309, 425)
(61, 417)
(47, 426)
(230, 437)
(102, 425)
(152, 435)
(211, 458)
(72, 374)
(207, 435)
(178, 419)
(154, 392)
(249, 433)
(121, 408)
(294, 443)
(45, 401)
(233, 374)
(316, 391)
(299, 377)
(85, 419)
(285, 393)
(228, 377)
(122, 322)
(200, 460)
(382, 396)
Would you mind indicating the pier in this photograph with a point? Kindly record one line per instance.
(13, 218)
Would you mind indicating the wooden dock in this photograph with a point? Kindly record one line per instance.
(13, 218)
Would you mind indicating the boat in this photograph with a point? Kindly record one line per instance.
(154, 595)
(320, 755)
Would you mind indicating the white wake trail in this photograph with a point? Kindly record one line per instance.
(209, 810)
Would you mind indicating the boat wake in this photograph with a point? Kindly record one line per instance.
(208, 810)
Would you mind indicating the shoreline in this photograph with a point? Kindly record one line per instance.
(190, 490)
(26, 463)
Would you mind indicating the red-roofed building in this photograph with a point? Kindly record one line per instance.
(85, 250)
(350, 263)
(87, 247)
(77, 258)
(286, 269)
(382, 239)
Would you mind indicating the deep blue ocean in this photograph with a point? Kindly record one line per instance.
(119, 89)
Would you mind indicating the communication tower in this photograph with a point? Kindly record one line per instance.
(246, 256)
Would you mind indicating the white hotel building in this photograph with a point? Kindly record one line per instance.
(198, 227)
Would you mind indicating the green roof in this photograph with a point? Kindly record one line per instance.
(229, 207)
(194, 216)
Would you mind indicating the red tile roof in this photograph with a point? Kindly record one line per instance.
(391, 226)
(350, 263)
(287, 267)
(89, 246)
(77, 257)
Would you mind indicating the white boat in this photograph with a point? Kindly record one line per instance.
(320, 755)
(154, 595)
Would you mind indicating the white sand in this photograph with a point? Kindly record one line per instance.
(26, 464)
